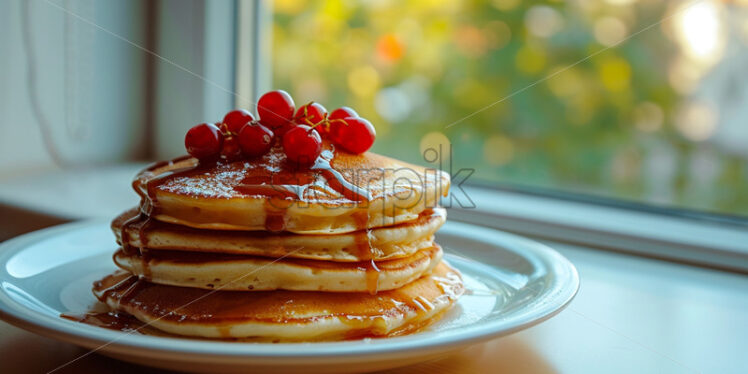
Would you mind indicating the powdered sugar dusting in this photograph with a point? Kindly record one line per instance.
(214, 185)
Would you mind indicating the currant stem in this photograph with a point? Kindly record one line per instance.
(322, 122)
(306, 111)
(339, 120)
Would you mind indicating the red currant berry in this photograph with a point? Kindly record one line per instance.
(235, 119)
(336, 121)
(311, 114)
(275, 109)
(255, 139)
(230, 150)
(342, 113)
(203, 141)
(302, 145)
(357, 137)
(280, 131)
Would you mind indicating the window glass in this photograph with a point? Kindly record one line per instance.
(637, 100)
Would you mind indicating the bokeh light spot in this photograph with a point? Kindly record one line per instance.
(566, 83)
(435, 143)
(543, 21)
(470, 41)
(615, 74)
(620, 2)
(505, 5)
(530, 59)
(580, 110)
(700, 30)
(648, 117)
(609, 31)
(684, 76)
(696, 121)
(363, 81)
(389, 48)
(497, 34)
(393, 104)
(498, 150)
(288, 6)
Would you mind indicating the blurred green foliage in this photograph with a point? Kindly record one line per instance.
(528, 93)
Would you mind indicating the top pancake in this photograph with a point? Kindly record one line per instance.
(340, 192)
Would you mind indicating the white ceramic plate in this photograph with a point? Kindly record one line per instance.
(512, 283)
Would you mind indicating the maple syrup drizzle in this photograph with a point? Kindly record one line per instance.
(372, 278)
(275, 214)
(365, 251)
(145, 184)
(142, 223)
(363, 237)
(125, 233)
(145, 260)
(282, 185)
(273, 178)
(337, 182)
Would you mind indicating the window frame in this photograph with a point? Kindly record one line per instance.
(253, 68)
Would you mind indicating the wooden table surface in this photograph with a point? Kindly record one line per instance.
(632, 315)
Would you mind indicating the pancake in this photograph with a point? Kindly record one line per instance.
(378, 244)
(243, 272)
(340, 193)
(282, 315)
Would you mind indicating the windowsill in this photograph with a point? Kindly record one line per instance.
(32, 201)
(653, 235)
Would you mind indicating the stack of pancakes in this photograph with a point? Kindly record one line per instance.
(263, 249)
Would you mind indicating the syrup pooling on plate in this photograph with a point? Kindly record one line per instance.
(109, 320)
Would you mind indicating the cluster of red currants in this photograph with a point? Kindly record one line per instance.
(300, 131)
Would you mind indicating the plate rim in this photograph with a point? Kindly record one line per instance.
(132, 344)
